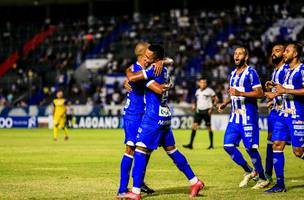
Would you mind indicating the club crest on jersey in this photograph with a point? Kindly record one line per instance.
(164, 111)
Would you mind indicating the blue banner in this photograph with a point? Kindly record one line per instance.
(18, 122)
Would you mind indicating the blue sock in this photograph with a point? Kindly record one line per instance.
(125, 167)
(237, 157)
(269, 160)
(140, 164)
(257, 162)
(278, 163)
(181, 163)
(147, 161)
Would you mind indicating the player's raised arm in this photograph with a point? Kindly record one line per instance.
(157, 88)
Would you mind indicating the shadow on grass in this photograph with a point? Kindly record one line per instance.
(175, 190)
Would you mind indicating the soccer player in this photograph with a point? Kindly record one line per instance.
(59, 115)
(275, 102)
(132, 115)
(245, 88)
(155, 129)
(203, 106)
(289, 127)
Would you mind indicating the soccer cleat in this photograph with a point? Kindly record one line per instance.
(194, 189)
(188, 146)
(55, 139)
(132, 196)
(121, 195)
(210, 147)
(66, 138)
(146, 189)
(247, 178)
(276, 188)
(261, 184)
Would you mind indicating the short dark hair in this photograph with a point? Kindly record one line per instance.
(298, 47)
(158, 51)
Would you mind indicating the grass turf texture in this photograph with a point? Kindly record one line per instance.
(32, 166)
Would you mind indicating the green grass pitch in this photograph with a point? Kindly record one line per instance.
(32, 166)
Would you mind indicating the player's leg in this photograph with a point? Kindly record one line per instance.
(64, 128)
(207, 119)
(125, 168)
(168, 142)
(147, 141)
(250, 136)
(232, 139)
(130, 130)
(269, 152)
(197, 121)
(55, 128)
(280, 136)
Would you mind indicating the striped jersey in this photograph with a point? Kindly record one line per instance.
(244, 110)
(293, 105)
(135, 104)
(278, 78)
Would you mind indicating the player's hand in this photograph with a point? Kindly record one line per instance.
(158, 67)
(168, 61)
(270, 95)
(269, 84)
(221, 107)
(234, 92)
(127, 86)
(280, 89)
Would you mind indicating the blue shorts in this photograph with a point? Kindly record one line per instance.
(151, 135)
(289, 130)
(248, 133)
(131, 129)
(272, 117)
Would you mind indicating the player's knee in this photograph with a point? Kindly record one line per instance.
(298, 152)
(169, 148)
(130, 150)
(141, 149)
(229, 149)
(278, 146)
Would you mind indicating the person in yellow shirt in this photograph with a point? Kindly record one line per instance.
(59, 115)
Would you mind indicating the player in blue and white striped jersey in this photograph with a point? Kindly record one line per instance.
(245, 89)
(290, 123)
(275, 101)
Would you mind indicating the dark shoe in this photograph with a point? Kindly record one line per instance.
(144, 188)
(188, 146)
(276, 189)
(210, 147)
(66, 138)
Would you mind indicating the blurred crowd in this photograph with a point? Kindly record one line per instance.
(201, 44)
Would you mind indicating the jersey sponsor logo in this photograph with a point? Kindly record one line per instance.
(164, 122)
(297, 122)
(164, 111)
(299, 133)
(298, 127)
(248, 134)
(248, 128)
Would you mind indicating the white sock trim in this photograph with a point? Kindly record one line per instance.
(136, 190)
(277, 151)
(128, 155)
(193, 180)
(302, 156)
(172, 151)
(140, 151)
